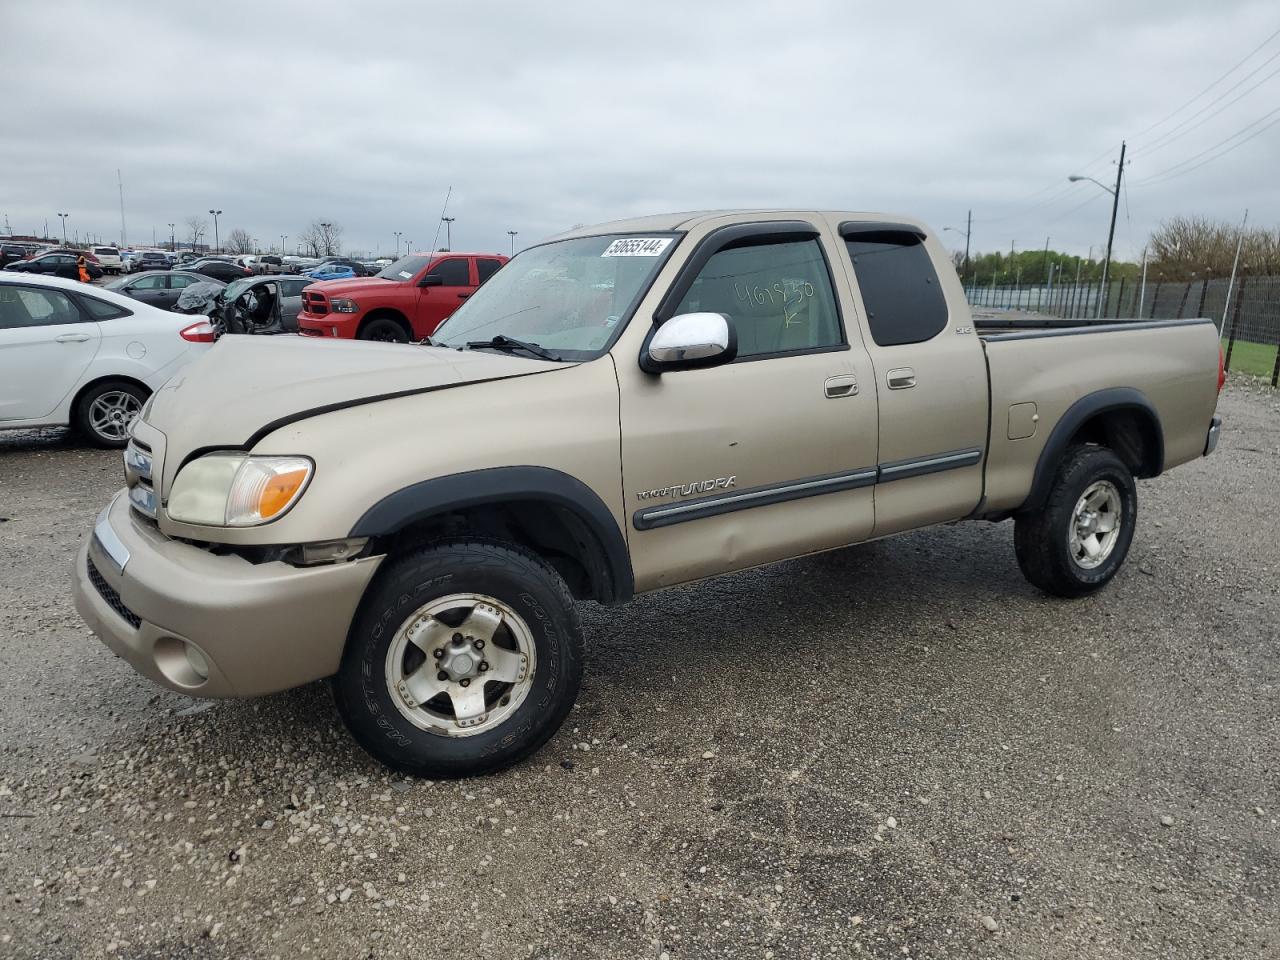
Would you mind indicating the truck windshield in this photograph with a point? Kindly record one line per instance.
(406, 268)
(570, 296)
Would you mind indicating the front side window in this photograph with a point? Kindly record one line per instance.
(778, 296)
(569, 296)
(900, 289)
(25, 307)
(452, 273)
(177, 281)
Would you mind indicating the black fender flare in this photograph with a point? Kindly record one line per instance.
(610, 569)
(1077, 415)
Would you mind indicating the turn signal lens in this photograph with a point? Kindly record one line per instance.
(264, 488)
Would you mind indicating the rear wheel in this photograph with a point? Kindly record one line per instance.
(384, 329)
(106, 411)
(1077, 541)
(465, 658)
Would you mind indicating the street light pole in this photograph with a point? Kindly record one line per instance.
(64, 227)
(1111, 233)
(968, 230)
(217, 244)
(448, 232)
(398, 234)
(512, 235)
(173, 237)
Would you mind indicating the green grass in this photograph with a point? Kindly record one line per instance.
(1256, 359)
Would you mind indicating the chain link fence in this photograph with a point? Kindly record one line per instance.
(1249, 324)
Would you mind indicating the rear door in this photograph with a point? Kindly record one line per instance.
(436, 303)
(291, 302)
(46, 344)
(930, 376)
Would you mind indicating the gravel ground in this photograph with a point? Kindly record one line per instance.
(962, 768)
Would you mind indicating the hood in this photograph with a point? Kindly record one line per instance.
(351, 286)
(246, 387)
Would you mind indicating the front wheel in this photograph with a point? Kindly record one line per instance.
(465, 657)
(384, 329)
(1077, 541)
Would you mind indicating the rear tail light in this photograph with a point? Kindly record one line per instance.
(1222, 369)
(201, 332)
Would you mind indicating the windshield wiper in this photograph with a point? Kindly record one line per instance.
(503, 342)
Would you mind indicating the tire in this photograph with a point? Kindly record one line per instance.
(1052, 552)
(384, 329)
(389, 689)
(105, 411)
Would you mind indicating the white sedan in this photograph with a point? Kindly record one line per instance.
(75, 354)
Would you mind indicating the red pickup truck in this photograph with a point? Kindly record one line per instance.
(406, 301)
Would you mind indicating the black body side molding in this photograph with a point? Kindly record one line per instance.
(1077, 415)
(609, 567)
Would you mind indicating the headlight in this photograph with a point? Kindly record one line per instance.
(238, 490)
(344, 305)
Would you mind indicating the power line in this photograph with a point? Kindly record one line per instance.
(1234, 68)
(1170, 172)
(1171, 135)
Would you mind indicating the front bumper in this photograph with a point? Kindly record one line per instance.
(1211, 441)
(341, 325)
(258, 627)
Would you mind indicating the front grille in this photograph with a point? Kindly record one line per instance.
(316, 304)
(108, 594)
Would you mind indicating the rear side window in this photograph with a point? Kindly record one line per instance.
(452, 273)
(487, 268)
(101, 310)
(900, 290)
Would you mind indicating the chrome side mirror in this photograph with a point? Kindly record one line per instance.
(690, 340)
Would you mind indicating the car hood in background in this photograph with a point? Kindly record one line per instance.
(247, 387)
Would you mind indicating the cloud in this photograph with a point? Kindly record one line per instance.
(543, 116)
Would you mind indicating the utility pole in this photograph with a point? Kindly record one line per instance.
(120, 183)
(968, 232)
(1044, 266)
(448, 236)
(1232, 282)
(512, 235)
(1111, 234)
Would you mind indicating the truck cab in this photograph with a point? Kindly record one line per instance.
(406, 301)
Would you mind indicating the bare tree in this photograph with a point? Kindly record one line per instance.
(197, 226)
(323, 238)
(239, 241)
(1183, 248)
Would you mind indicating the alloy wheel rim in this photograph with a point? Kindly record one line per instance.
(112, 413)
(460, 665)
(1095, 525)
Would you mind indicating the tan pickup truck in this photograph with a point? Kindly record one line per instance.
(620, 409)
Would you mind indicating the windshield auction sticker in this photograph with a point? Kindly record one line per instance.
(637, 247)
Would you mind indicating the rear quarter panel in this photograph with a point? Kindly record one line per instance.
(1174, 367)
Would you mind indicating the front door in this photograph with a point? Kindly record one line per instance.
(436, 303)
(45, 346)
(770, 456)
(151, 289)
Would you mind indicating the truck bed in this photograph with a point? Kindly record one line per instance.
(1040, 367)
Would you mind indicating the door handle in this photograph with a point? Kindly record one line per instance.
(902, 378)
(845, 385)
(72, 338)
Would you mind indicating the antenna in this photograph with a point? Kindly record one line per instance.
(443, 211)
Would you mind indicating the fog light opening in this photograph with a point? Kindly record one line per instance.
(182, 663)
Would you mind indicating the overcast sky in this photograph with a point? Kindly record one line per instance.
(543, 116)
